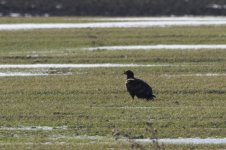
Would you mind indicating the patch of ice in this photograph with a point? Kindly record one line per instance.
(156, 47)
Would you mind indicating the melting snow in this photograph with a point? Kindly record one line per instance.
(124, 23)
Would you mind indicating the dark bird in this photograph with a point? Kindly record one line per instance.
(137, 87)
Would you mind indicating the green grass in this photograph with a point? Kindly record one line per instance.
(110, 145)
(94, 101)
(11, 20)
(63, 46)
(95, 105)
(70, 39)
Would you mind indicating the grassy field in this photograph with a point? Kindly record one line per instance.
(94, 101)
(11, 20)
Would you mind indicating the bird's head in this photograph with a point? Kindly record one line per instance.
(129, 74)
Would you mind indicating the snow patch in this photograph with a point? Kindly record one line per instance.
(29, 74)
(33, 128)
(197, 74)
(163, 140)
(7, 66)
(157, 47)
(122, 23)
(21, 74)
(185, 141)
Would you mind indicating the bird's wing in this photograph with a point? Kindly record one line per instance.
(139, 87)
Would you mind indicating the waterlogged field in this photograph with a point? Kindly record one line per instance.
(88, 107)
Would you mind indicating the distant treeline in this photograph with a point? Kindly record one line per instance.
(112, 7)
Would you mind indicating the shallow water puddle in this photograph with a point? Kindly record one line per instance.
(157, 47)
(121, 23)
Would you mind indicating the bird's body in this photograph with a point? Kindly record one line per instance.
(137, 87)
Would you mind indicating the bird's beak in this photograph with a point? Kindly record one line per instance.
(124, 73)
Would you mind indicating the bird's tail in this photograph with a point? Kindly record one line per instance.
(152, 97)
